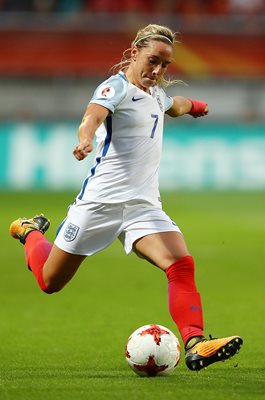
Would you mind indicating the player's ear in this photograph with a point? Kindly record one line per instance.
(134, 52)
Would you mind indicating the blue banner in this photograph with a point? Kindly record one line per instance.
(196, 156)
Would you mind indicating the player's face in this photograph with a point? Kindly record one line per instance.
(151, 63)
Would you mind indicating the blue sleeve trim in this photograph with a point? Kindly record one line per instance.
(99, 158)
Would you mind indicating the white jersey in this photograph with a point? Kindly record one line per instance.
(129, 143)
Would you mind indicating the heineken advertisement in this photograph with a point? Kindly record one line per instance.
(196, 156)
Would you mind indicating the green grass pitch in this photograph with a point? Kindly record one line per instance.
(70, 346)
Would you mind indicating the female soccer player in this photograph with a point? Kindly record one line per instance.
(120, 196)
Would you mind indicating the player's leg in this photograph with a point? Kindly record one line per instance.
(168, 251)
(162, 249)
(59, 268)
(88, 229)
(51, 266)
(169, 248)
(155, 237)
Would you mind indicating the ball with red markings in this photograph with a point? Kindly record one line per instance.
(152, 350)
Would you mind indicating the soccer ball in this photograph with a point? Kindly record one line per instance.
(152, 350)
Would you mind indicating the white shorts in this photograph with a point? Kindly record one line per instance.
(91, 227)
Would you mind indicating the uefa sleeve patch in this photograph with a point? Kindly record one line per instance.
(70, 232)
(105, 91)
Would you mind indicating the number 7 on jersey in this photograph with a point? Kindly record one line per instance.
(155, 116)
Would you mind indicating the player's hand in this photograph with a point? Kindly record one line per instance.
(82, 150)
(198, 108)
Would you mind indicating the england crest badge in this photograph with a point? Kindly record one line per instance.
(70, 232)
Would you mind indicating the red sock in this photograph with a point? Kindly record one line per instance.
(37, 248)
(184, 300)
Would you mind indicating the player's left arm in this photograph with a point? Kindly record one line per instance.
(182, 105)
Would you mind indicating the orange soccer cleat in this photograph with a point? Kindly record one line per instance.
(201, 352)
(20, 228)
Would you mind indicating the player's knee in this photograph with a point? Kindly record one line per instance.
(51, 287)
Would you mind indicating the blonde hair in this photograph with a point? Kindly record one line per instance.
(143, 37)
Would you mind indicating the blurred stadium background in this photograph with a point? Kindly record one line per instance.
(55, 52)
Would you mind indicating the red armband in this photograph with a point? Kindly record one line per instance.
(198, 107)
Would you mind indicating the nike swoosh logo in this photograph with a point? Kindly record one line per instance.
(194, 308)
(136, 98)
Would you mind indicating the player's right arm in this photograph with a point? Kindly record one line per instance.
(106, 98)
(94, 116)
